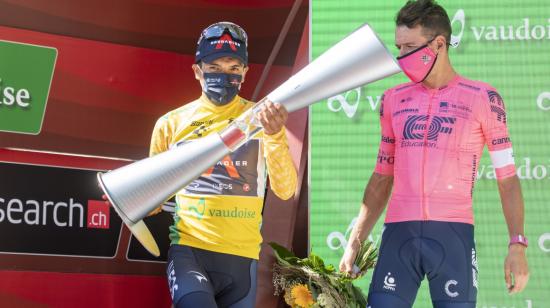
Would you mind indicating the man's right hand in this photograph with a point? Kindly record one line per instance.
(348, 259)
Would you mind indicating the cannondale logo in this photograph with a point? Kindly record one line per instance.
(448, 290)
(459, 18)
(415, 126)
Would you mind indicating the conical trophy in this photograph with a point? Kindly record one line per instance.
(137, 189)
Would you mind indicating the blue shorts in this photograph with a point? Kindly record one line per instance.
(444, 252)
(210, 278)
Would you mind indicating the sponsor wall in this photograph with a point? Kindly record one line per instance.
(504, 43)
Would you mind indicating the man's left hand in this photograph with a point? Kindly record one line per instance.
(273, 117)
(515, 267)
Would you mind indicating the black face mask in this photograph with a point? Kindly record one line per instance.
(221, 88)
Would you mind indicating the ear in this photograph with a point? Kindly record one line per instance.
(196, 69)
(441, 42)
(244, 73)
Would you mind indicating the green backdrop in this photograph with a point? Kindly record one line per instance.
(505, 43)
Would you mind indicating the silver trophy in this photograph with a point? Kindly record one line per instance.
(137, 189)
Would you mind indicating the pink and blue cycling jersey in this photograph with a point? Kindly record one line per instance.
(432, 141)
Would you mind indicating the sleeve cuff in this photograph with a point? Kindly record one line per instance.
(278, 138)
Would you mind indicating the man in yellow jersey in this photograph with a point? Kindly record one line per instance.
(215, 238)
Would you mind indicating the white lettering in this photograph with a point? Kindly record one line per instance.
(71, 207)
(1, 211)
(539, 172)
(525, 29)
(492, 34)
(8, 96)
(45, 210)
(101, 219)
(534, 32)
(55, 220)
(10, 209)
(525, 171)
(374, 102)
(510, 32)
(23, 94)
(34, 211)
(477, 34)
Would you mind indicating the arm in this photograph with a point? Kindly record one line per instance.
(280, 167)
(513, 209)
(375, 199)
(495, 130)
(377, 190)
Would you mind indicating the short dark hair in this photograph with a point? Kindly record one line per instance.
(431, 16)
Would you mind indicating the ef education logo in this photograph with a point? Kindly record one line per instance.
(415, 127)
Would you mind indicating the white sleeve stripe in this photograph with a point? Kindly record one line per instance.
(502, 158)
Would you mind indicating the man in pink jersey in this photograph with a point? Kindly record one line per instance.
(433, 131)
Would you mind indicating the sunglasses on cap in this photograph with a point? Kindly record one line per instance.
(218, 29)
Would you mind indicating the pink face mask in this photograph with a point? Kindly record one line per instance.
(418, 63)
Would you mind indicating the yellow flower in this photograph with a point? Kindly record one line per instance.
(302, 296)
(288, 298)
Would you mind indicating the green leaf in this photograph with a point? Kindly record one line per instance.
(282, 254)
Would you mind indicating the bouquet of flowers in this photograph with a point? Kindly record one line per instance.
(309, 283)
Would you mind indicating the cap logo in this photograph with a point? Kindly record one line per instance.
(226, 39)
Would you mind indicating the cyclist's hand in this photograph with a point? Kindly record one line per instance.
(348, 259)
(516, 269)
(273, 117)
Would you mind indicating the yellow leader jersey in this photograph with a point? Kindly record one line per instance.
(221, 211)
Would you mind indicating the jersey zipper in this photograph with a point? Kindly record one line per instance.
(424, 154)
